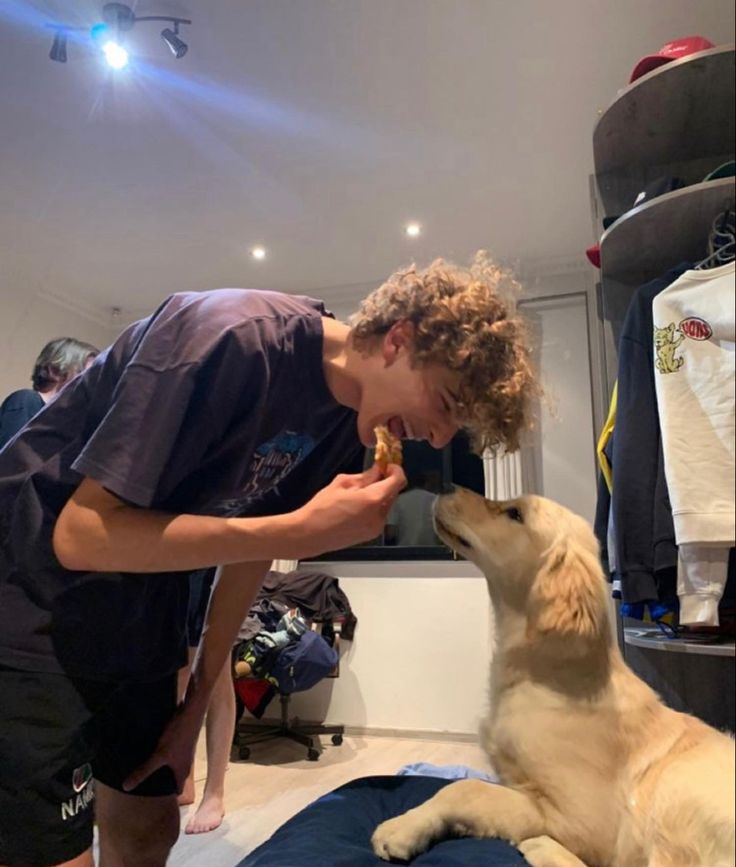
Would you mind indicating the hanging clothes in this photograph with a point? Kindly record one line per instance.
(605, 437)
(694, 343)
(317, 595)
(646, 555)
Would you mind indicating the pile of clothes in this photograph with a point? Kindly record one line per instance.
(287, 642)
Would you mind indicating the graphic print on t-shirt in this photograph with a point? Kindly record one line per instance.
(695, 328)
(665, 346)
(272, 461)
(665, 343)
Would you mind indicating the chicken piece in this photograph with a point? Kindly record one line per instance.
(388, 448)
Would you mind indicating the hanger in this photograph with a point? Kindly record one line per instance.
(721, 240)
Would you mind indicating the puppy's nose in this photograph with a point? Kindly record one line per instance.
(447, 488)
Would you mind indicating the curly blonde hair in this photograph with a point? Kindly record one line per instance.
(464, 319)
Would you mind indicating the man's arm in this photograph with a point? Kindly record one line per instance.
(98, 532)
(233, 594)
(235, 589)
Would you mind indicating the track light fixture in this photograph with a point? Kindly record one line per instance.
(117, 19)
(171, 37)
(58, 49)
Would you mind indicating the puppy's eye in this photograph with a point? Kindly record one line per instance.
(514, 514)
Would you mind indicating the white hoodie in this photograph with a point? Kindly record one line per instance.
(694, 343)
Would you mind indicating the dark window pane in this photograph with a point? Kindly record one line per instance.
(409, 534)
(467, 468)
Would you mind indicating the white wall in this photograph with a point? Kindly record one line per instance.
(562, 463)
(422, 650)
(28, 321)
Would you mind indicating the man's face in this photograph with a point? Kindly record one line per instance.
(414, 402)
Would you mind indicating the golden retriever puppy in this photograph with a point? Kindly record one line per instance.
(596, 770)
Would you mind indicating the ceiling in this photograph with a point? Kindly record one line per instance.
(314, 127)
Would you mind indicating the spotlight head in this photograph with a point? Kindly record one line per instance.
(177, 45)
(115, 55)
(58, 49)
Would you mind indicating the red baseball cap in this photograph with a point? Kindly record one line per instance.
(671, 51)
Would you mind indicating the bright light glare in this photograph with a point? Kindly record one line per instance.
(258, 253)
(413, 230)
(116, 55)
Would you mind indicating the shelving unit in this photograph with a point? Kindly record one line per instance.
(676, 121)
(651, 238)
(652, 639)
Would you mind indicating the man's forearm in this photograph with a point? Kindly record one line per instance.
(232, 596)
(98, 532)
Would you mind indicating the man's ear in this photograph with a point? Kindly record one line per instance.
(397, 340)
(565, 600)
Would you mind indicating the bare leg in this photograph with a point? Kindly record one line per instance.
(187, 793)
(468, 808)
(135, 831)
(219, 734)
(546, 852)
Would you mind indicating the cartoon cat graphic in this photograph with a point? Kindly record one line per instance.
(665, 346)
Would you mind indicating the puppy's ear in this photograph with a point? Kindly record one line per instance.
(566, 600)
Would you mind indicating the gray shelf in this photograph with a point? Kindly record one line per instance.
(676, 120)
(660, 234)
(652, 639)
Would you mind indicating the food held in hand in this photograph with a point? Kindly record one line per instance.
(388, 448)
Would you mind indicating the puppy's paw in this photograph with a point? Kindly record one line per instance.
(402, 837)
(546, 852)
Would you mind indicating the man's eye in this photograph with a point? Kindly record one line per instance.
(514, 514)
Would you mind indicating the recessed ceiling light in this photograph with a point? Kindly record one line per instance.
(258, 253)
(413, 230)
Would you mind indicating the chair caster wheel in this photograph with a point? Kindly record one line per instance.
(244, 753)
(337, 740)
(312, 755)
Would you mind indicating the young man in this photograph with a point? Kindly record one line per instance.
(207, 434)
(58, 362)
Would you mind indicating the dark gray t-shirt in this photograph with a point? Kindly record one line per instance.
(215, 405)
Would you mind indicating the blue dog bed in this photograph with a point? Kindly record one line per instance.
(336, 830)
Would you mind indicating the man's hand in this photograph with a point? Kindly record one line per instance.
(175, 748)
(351, 509)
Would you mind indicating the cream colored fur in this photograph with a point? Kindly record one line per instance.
(596, 770)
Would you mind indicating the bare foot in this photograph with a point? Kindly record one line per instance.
(187, 794)
(209, 816)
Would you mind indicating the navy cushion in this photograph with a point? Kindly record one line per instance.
(337, 830)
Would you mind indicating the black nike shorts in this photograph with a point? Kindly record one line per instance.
(56, 736)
